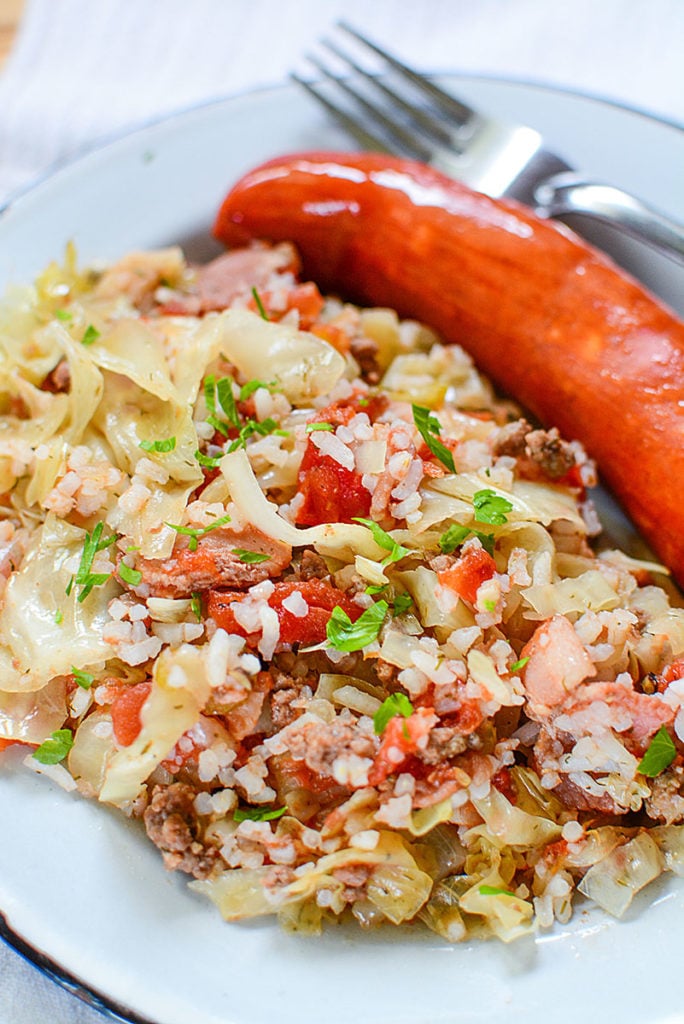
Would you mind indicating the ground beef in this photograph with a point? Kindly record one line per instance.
(214, 564)
(387, 673)
(443, 742)
(312, 566)
(319, 746)
(173, 826)
(510, 439)
(58, 381)
(555, 456)
(666, 802)
(282, 712)
(544, 448)
(365, 352)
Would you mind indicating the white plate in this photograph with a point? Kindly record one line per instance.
(85, 888)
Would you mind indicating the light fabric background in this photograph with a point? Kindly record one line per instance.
(83, 71)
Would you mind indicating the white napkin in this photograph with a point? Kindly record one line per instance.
(83, 71)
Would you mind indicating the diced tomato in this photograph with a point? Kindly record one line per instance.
(334, 335)
(401, 736)
(675, 670)
(320, 596)
(308, 301)
(472, 569)
(332, 493)
(4, 744)
(126, 713)
(502, 781)
(291, 773)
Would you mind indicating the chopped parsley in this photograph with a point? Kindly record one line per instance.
(258, 813)
(194, 533)
(167, 445)
(494, 890)
(456, 535)
(383, 540)
(395, 704)
(310, 427)
(84, 679)
(248, 389)
(208, 461)
(91, 335)
(64, 315)
(345, 635)
(259, 305)
(402, 603)
(55, 748)
(250, 557)
(196, 605)
(517, 665)
(490, 507)
(261, 427)
(84, 578)
(218, 396)
(59, 617)
(429, 428)
(128, 575)
(660, 753)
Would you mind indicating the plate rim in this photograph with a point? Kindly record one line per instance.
(100, 145)
(49, 967)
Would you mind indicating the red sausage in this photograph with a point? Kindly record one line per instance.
(553, 321)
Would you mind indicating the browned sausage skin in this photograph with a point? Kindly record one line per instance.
(553, 321)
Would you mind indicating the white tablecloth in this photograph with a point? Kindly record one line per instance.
(83, 71)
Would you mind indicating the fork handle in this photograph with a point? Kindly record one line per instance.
(567, 193)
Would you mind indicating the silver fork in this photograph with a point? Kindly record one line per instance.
(496, 157)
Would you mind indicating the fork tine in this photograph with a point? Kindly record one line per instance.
(427, 122)
(449, 104)
(367, 139)
(406, 138)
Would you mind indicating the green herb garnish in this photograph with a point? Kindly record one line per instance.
(310, 427)
(395, 704)
(91, 335)
(250, 557)
(84, 679)
(517, 665)
(128, 575)
(660, 753)
(84, 578)
(167, 445)
(263, 428)
(429, 428)
(59, 617)
(345, 635)
(489, 605)
(373, 589)
(259, 305)
(402, 603)
(383, 540)
(494, 890)
(64, 315)
(248, 389)
(208, 461)
(56, 748)
(490, 507)
(218, 396)
(196, 605)
(456, 535)
(258, 813)
(195, 532)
